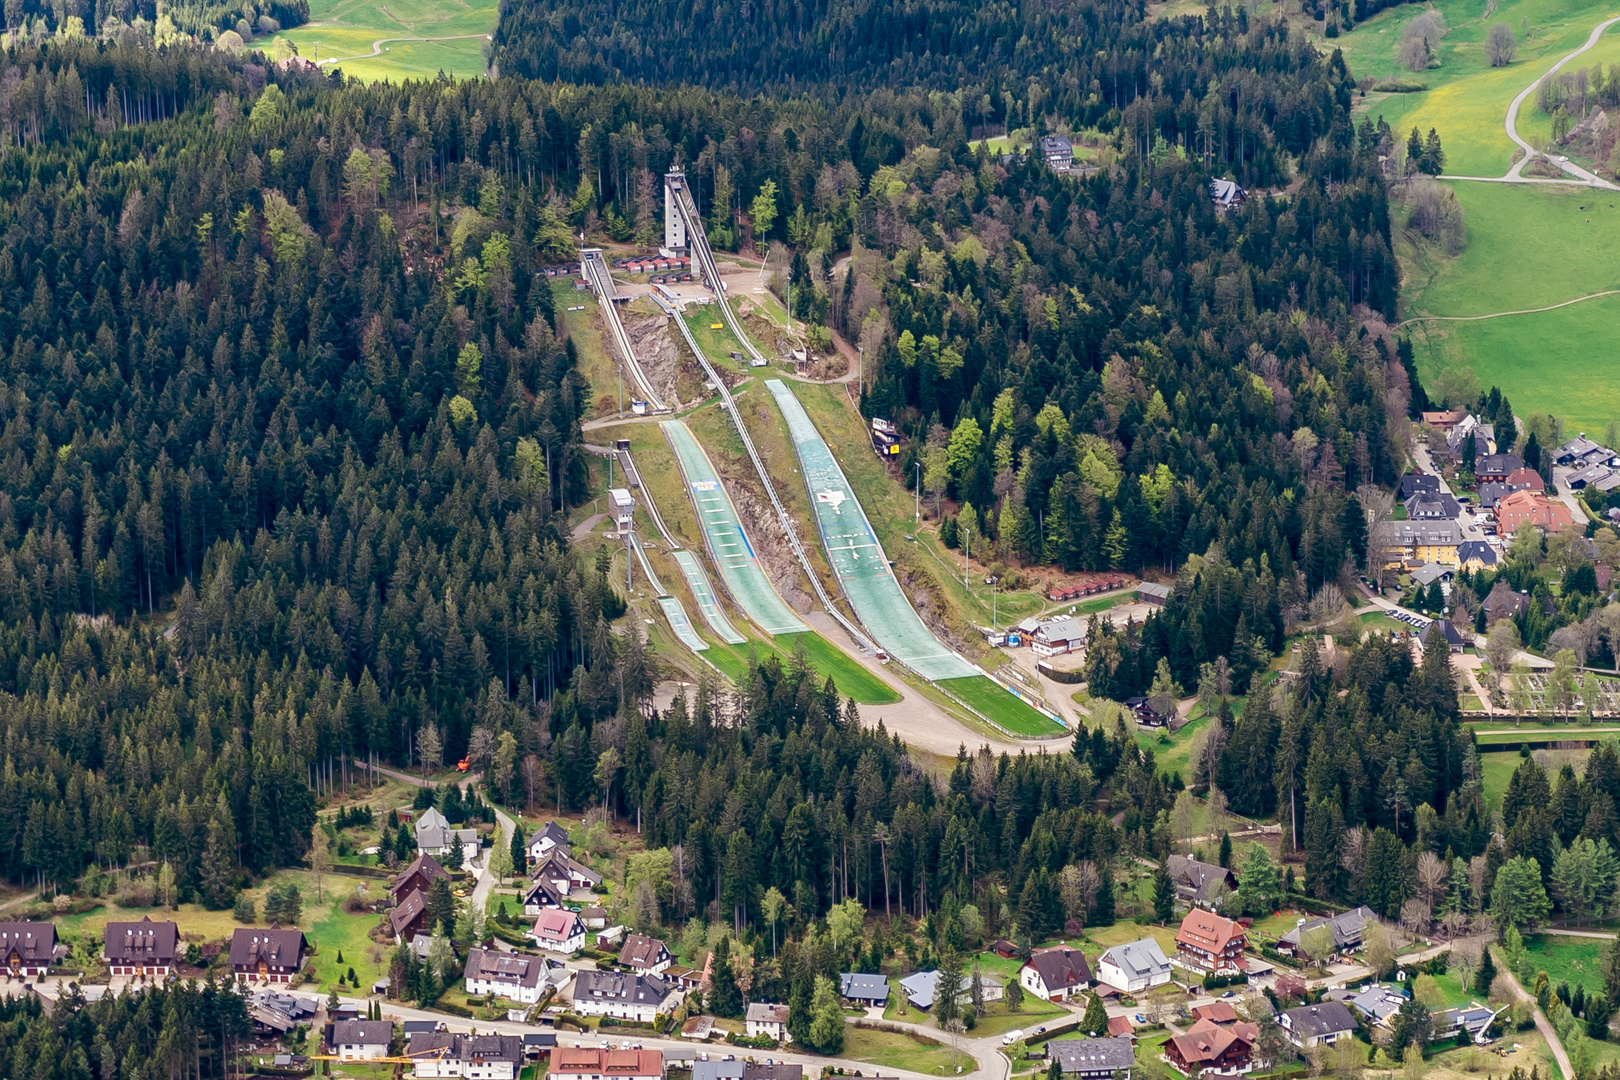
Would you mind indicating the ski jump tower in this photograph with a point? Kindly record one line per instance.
(676, 241)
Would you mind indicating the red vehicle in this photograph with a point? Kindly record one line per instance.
(461, 766)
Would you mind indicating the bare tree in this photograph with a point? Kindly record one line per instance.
(1375, 501)
(481, 748)
(1432, 877)
(1500, 45)
(1415, 917)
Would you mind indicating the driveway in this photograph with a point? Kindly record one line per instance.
(504, 827)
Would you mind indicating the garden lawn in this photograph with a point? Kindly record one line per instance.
(998, 1021)
(999, 704)
(897, 1051)
(347, 28)
(1575, 960)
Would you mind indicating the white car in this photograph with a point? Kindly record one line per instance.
(1012, 1036)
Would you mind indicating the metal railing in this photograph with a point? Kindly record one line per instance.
(607, 292)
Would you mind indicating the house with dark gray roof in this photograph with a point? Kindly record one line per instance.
(509, 975)
(869, 990)
(620, 994)
(274, 955)
(27, 948)
(1094, 1059)
(144, 948)
(1316, 1025)
(1200, 884)
(359, 1040)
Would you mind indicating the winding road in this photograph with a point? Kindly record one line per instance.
(376, 46)
(1511, 123)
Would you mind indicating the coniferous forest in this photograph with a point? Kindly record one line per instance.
(291, 438)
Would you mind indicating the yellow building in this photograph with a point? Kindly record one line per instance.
(1413, 543)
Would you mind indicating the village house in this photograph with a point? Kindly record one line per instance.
(1449, 632)
(544, 893)
(1504, 602)
(1058, 636)
(1208, 944)
(769, 1021)
(1413, 543)
(435, 836)
(1347, 928)
(1134, 966)
(1212, 1049)
(27, 948)
(144, 949)
(1058, 152)
(644, 955)
(1476, 555)
(567, 871)
(359, 1040)
(1412, 483)
(274, 955)
(1433, 506)
(1523, 508)
(508, 975)
(1094, 1059)
(1216, 1012)
(483, 1057)
(1226, 194)
(1445, 420)
(418, 876)
(409, 917)
(1317, 1025)
(1489, 467)
(1525, 480)
(546, 839)
(1056, 974)
(601, 1063)
(559, 931)
(642, 998)
(865, 990)
(1200, 884)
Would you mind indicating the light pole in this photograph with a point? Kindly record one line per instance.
(918, 511)
(995, 582)
(862, 369)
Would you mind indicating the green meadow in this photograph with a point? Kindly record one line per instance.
(1529, 246)
(346, 29)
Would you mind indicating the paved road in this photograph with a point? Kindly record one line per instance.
(1543, 1025)
(503, 831)
(920, 723)
(1511, 123)
(813, 1065)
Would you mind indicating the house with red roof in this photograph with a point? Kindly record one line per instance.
(1209, 944)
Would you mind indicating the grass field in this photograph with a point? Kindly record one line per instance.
(329, 928)
(897, 1051)
(1467, 99)
(1576, 960)
(852, 679)
(1557, 239)
(347, 28)
(1001, 706)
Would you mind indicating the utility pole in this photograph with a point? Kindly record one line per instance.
(918, 511)
(629, 566)
(862, 369)
(619, 368)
